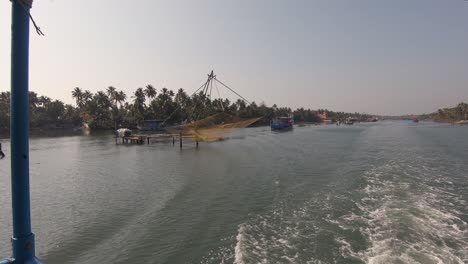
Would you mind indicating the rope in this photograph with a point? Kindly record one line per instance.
(204, 92)
(233, 91)
(207, 85)
(27, 5)
(178, 107)
(211, 87)
(219, 96)
(38, 29)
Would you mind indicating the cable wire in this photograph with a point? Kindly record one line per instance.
(233, 91)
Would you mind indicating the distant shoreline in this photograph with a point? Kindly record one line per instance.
(5, 133)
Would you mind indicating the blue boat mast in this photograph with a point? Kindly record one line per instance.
(23, 238)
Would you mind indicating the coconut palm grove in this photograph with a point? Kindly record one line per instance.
(111, 108)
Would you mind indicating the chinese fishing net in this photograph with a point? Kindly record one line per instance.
(212, 128)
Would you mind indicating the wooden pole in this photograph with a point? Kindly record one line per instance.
(173, 140)
(2, 155)
(180, 139)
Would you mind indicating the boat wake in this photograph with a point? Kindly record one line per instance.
(401, 213)
(404, 205)
(408, 214)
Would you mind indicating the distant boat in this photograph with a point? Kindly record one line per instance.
(415, 120)
(349, 121)
(286, 122)
(462, 122)
(150, 125)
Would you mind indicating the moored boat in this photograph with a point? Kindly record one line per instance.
(285, 122)
(150, 125)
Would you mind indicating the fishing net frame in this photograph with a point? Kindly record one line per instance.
(214, 127)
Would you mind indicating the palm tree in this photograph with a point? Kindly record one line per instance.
(120, 98)
(102, 100)
(165, 104)
(33, 100)
(87, 96)
(165, 95)
(112, 96)
(150, 92)
(77, 93)
(99, 108)
(181, 98)
(111, 92)
(139, 103)
(44, 100)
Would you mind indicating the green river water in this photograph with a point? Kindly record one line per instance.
(387, 192)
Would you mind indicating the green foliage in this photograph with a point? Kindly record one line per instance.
(4, 110)
(43, 112)
(460, 112)
(110, 109)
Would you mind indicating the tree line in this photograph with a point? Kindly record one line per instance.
(112, 108)
(450, 115)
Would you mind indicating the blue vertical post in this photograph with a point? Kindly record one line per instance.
(23, 238)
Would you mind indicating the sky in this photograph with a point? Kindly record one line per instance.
(375, 56)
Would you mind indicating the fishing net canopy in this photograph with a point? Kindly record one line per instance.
(214, 127)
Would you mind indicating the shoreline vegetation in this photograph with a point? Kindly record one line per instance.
(451, 115)
(110, 109)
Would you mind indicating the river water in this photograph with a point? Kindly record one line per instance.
(388, 192)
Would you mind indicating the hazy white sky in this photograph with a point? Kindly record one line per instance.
(375, 56)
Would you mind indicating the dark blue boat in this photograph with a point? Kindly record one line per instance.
(286, 122)
(150, 125)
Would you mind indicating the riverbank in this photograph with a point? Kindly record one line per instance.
(46, 132)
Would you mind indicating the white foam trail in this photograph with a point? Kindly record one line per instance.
(404, 211)
(409, 225)
(240, 245)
